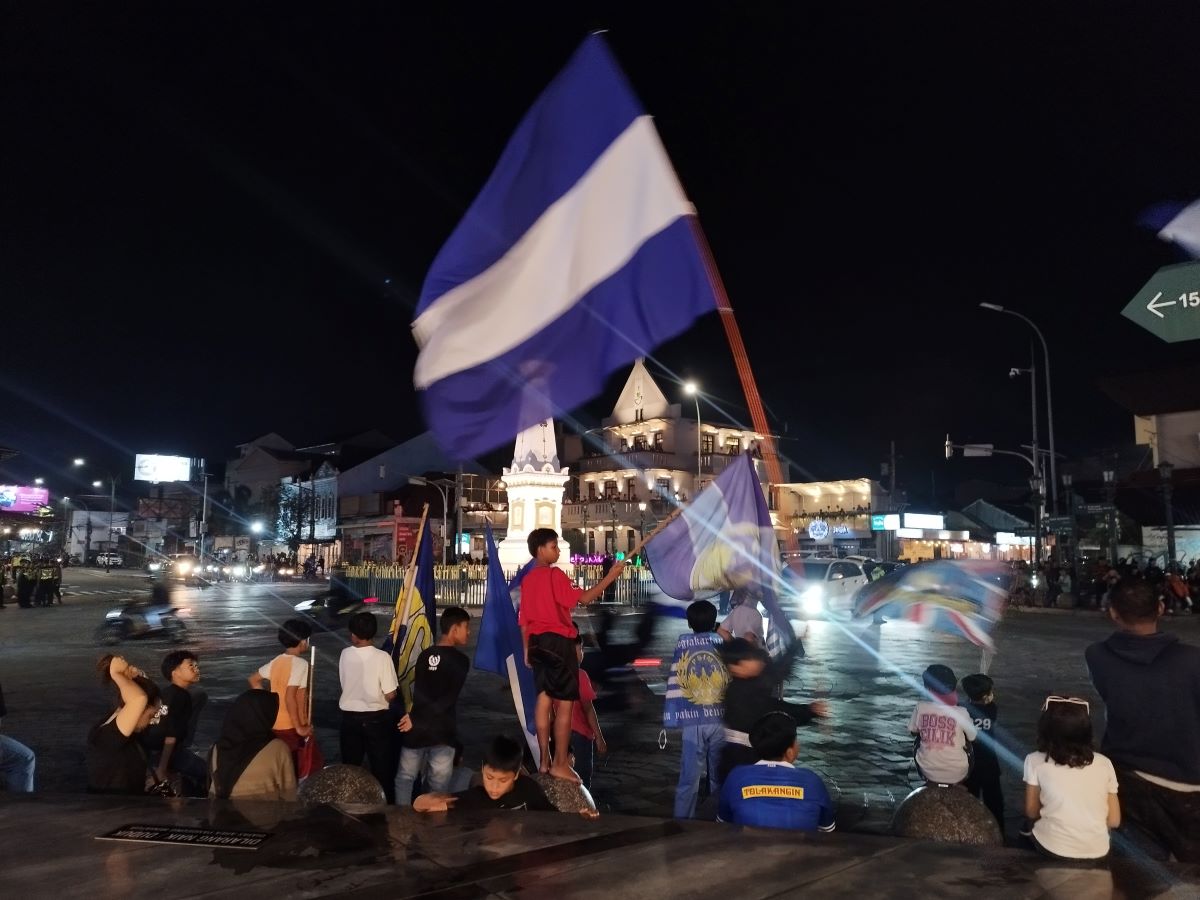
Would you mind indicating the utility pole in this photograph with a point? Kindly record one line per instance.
(1110, 497)
(203, 519)
(1165, 470)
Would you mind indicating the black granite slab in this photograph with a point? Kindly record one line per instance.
(48, 848)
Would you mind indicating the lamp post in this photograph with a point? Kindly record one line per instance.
(612, 512)
(995, 307)
(641, 522)
(425, 482)
(1165, 470)
(1067, 481)
(1110, 496)
(693, 391)
(1036, 484)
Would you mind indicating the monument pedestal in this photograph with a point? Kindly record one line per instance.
(534, 484)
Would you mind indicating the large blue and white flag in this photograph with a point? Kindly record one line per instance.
(723, 541)
(500, 648)
(1176, 223)
(577, 257)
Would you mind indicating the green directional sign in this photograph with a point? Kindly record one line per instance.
(1169, 305)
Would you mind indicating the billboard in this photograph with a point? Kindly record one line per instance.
(23, 499)
(152, 467)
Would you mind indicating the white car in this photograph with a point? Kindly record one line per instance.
(821, 585)
(110, 559)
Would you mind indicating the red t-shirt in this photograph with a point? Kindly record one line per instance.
(587, 694)
(547, 598)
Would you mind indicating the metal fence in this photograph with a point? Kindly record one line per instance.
(467, 585)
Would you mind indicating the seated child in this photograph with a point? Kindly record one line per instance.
(1070, 790)
(984, 780)
(944, 730)
(503, 785)
(773, 793)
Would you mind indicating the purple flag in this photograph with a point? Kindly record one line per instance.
(722, 541)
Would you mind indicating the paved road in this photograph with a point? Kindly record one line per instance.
(868, 674)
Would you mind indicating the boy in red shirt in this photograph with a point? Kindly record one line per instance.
(586, 735)
(547, 598)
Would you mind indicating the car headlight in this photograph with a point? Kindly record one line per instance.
(239, 571)
(184, 568)
(812, 601)
(258, 570)
(154, 567)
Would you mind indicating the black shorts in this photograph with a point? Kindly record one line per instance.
(555, 665)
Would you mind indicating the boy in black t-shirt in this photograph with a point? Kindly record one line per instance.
(429, 728)
(984, 780)
(503, 785)
(166, 742)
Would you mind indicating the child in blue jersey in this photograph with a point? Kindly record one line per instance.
(695, 691)
(773, 793)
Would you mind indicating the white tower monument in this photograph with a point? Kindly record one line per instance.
(535, 486)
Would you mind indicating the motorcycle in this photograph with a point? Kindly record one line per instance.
(139, 620)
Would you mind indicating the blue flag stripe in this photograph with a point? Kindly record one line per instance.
(578, 115)
(476, 409)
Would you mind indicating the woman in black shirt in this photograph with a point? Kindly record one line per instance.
(116, 763)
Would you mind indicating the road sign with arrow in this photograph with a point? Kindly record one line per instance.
(1169, 304)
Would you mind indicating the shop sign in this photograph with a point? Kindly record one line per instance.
(818, 529)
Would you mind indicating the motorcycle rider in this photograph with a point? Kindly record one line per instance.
(141, 611)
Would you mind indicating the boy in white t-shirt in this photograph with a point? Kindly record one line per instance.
(368, 679)
(1070, 790)
(944, 730)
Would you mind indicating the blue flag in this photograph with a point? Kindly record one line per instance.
(1176, 223)
(500, 648)
(722, 541)
(577, 257)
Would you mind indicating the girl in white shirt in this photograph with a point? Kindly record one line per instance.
(1070, 790)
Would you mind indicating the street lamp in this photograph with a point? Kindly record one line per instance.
(1165, 470)
(641, 522)
(425, 482)
(995, 307)
(693, 391)
(39, 481)
(256, 527)
(79, 461)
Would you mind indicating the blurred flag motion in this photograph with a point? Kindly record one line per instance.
(723, 541)
(578, 256)
(963, 597)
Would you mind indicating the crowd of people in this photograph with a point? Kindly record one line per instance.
(1090, 586)
(31, 581)
(724, 694)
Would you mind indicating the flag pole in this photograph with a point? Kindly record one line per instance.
(758, 415)
(410, 575)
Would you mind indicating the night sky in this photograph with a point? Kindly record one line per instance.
(202, 204)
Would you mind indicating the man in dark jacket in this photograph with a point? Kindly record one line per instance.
(1150, 684)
